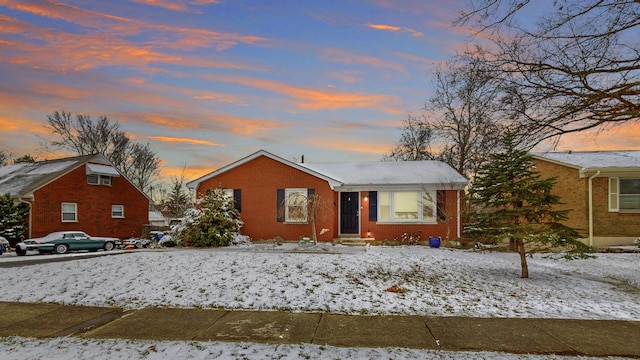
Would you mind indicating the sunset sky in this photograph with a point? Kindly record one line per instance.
(206, 82)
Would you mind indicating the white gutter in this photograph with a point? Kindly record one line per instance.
(30, 208)
(591, 206)
(459, 216)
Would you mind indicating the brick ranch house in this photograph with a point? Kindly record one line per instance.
(603, 190)
(366, 200)
(85, 193)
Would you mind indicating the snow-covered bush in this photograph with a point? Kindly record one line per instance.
(637, 242)
(215, 222)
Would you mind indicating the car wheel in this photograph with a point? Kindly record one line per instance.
(108, 246)
(61, 249)
(138, 245)
(20, 251)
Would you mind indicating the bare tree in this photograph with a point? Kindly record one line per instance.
(464, 111)
(462, 124)
(576, 68)
(141, 165)
(415, 141)
(307, 209)
(81, 135)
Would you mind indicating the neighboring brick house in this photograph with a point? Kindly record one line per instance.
(367, 200)
(603, 190)
(84, 193)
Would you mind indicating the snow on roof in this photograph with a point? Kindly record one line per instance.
(595, 159)
(390, 173)
(20, 179)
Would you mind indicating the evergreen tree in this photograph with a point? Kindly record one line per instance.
(12, 219)
(179, 200)
(510, 200)
(215, 223)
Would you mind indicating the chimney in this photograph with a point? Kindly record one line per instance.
(302, 159)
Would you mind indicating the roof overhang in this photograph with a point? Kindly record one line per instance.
(399, 187)
(333, 183)
(99, 169)
(610, 172)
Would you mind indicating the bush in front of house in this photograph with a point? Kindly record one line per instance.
(637, 242)
(215, 222)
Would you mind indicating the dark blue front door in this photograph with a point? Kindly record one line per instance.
(349, 213)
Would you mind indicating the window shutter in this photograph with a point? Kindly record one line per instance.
(440, 205)
(280, 205)
(614, 191)
(373, 206)
(237, 199)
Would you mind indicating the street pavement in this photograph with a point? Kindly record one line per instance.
(599, 338)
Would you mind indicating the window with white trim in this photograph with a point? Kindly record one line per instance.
(69, 212)
(295, 209)
(94, 179)
(117, 211)
(406, 206)
(624, 194)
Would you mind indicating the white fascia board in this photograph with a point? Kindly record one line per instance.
(610, 172)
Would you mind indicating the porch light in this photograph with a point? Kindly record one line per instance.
(366, 198)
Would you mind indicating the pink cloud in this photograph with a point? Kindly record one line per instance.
(317, 99)
(392, 28)
(348, 57)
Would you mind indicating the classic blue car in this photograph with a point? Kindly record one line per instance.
(61, 242)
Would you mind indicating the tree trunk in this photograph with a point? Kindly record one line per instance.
(523, 258)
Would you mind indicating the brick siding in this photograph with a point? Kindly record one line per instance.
(258, 181)
(93, 207)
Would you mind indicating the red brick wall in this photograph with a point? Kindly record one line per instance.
(258, 181)
(93, 204)
(444, 229)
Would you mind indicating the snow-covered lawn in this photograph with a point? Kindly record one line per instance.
(16, 348)
(262, 277)
(441, 282)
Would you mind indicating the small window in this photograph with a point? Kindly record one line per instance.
(105, 180)
(69, 212)
(296, 205)
(117, 211)
(93, 179)
(629, 194)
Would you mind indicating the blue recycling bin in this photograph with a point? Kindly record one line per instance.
(434, 242)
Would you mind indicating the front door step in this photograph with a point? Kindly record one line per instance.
(353, 241)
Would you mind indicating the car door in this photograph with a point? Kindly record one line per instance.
(84, 242)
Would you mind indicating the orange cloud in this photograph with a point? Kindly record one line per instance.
(348, 57)
(169, 5)
(350, 145)
(174, 140)
(384, 27)
(174, 37)
(317, 99)
(392, 28)
(217, 122)
(181, 6)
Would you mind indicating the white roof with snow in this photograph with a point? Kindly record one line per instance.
(364, 175)
(435, 174)
(589, 162)
(22, 179)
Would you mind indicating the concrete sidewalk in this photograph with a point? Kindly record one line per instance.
(519, 336)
